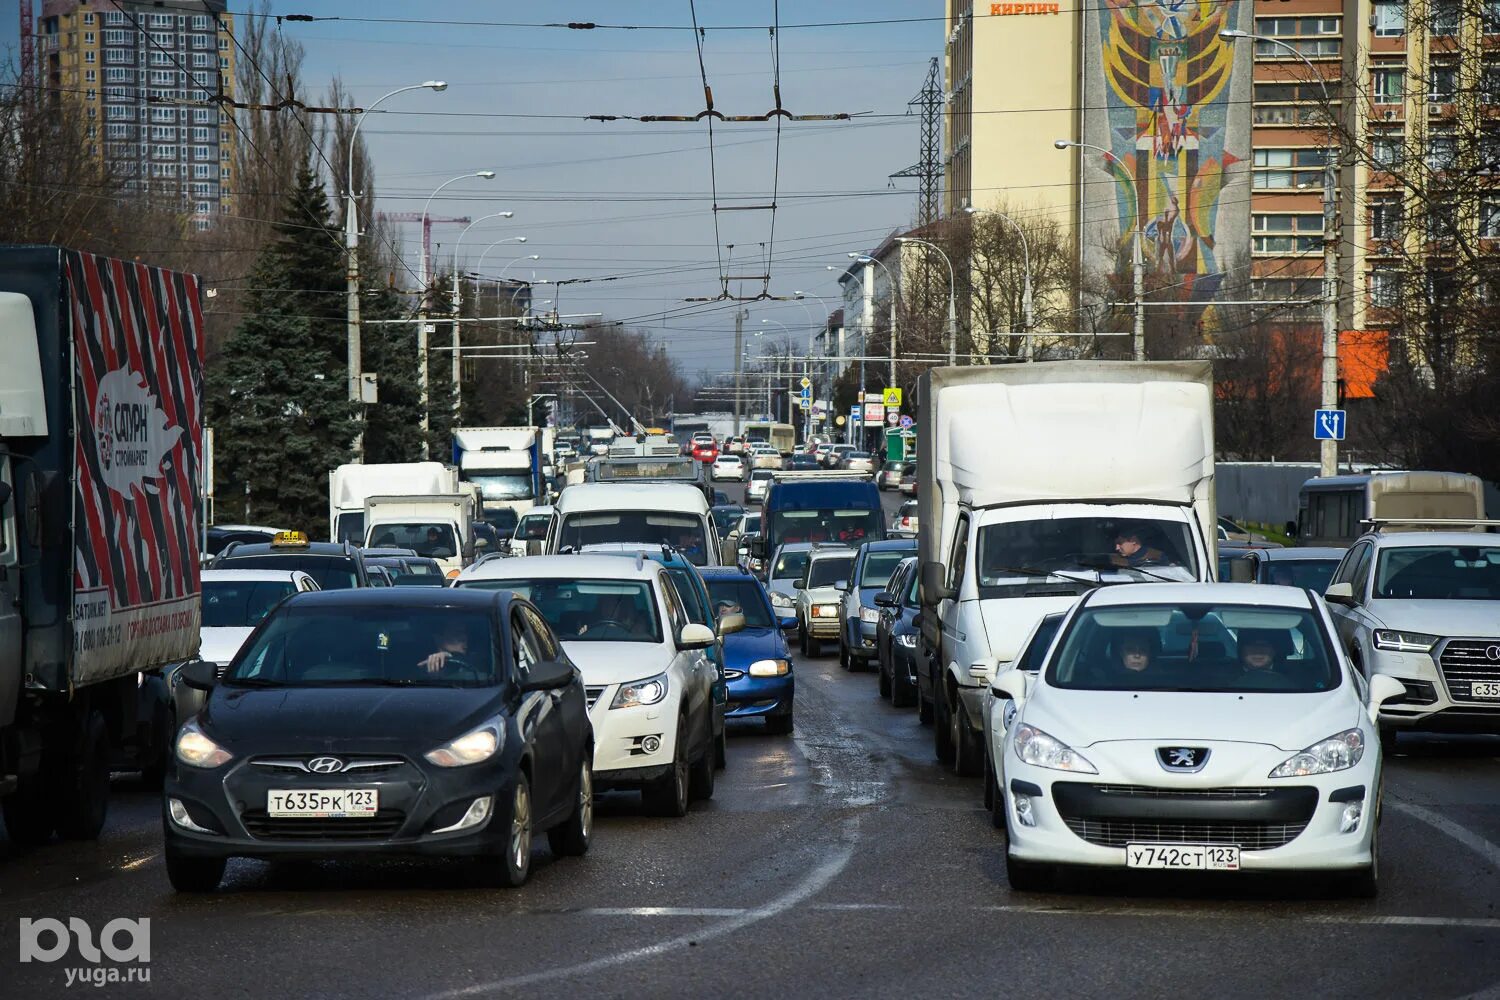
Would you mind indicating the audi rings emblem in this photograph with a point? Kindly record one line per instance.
(1492, 653)
(325, 765)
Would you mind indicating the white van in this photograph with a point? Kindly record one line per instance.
(636, 513)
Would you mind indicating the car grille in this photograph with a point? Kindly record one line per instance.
(263, 827)
(353, 765)
(1465, 661)
(592, 693)
(1417, 693)
(1254, 819)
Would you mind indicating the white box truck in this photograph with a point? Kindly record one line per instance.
(440, 527)
(349, 486)
(505, 463)
(1036, 483)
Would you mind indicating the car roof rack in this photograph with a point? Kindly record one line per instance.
(1376, 524)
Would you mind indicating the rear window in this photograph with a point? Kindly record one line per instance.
(330, 572)
(829, 570)
(241, 603)
(588, 610)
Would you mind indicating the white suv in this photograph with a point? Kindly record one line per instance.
(1421, 606)
(645, 667)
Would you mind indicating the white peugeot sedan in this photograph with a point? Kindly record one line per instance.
(727, 466)
(235, 601)
(645, 667)
(1213, 727)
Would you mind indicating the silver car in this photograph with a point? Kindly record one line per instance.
(760, 481)
(858, 461)
(820, 590)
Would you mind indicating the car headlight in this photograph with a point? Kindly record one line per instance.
(478, 744)
(1404, 642)
(780, 600)
(644, 692)
(825, 610)
(197, 750)
(908, 641)
(870, 615)
(1337, 753)
(1040, 750)
(770, 668)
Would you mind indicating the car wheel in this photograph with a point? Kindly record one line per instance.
(903, 691)
(721, 749)
(570, 838)
(194, 874)
(989, 783)
(942, 729)
(801, 637)
(511, 869)
(814, 646)
(884, 683)
(1028, 876)
(779, 725)
(668, 795)
(965, 745)
(845, 660)
(924, 707)
(994, 795)
(83, 798)
(701, 775)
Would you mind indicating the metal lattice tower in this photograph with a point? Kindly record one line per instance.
(929, 166)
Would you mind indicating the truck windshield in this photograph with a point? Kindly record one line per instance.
(848, 526)
(1015, 556)
(1440, 573)
(241, 603)
(434, 540)
(533, 527)
(504, 486)
(683, 532)
(351, 528)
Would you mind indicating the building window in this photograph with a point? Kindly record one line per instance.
(1489, 217)
(88, 18)
(1442, 221)
(1385, 218)
(88, 38)
(1445, 17)
(90, 76)
(1387, 84)
(89, 56)
(91, 96)
(1442, 152)
(1390, 17)
(1489, 83)
(1314, 37)
(1283, 169)
(1489, 17)
(1442, 81)
(1385, 289)
(1286, 233)
(200, 22)
(114, 17)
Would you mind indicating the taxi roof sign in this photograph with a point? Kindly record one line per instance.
(289, 538)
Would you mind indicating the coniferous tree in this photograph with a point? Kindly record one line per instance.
(393, 426)
(279, 399)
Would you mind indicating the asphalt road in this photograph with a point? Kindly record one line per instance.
(841, 861)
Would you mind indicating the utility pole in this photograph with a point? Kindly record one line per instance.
(739, 364)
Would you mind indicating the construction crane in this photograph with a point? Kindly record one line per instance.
(427, 223)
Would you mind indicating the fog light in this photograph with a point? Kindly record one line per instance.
(1349, 821)
(478, 812)
(651, 744)
(1024, 815)
(181, 818)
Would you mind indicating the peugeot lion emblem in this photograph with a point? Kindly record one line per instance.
(1182, 759)
(325, 765)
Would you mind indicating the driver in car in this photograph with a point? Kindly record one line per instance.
(1131, 549)
(452, 646)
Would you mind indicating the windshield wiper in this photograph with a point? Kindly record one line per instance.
(1033, 571)
(370, 682)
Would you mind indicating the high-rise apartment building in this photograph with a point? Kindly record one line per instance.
(145, 76)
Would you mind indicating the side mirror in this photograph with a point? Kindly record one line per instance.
(885, 600)
(1383, 688)
(200, 675)
(799, 584)
(1340, 593)
(934, 582)
(1241, 570)
(758, 548)
(730, 624)
(548, 675)
(1011, 684)
(695, 636)
(787, 623)
(1290, 529)
(481, 543)
(842, 586)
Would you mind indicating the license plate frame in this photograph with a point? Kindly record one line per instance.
(322, 803)
(1485, 690)
(1183, 857)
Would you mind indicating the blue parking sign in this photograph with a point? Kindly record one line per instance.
(1328, 425)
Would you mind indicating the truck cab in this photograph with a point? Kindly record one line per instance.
(436, 527)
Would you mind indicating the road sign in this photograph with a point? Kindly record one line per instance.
(1329, 425)
(893, 418)
(806, 382)
(891, 397)
(874, 413)
(840, 421)
(906, 423)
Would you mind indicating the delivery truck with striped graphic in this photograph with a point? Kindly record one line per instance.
(100, 448)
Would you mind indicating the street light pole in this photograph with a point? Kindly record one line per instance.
(779, 370)
(1137, 260)
(867, 260)
(1328, 452)
(812, 327)
(454, 306)
(1029, 318)
(351, 274)
(952, 295)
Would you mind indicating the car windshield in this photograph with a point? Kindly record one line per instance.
(1440, 573)
(1015, 557)
(417, 580)
(762, 476)
(532, 527)
(802, 462)
(336, 646)
(683, 532)
(827, 571)
(1313, 574)
(880, 565)
(1197, 647)
(790, 565)
(350, 527)
(502, 519)
(329, 572)
(725, 518)
(848, 526)
(241, 603)
(752, 524)
(432, 539)
(588, 610)
(503, 486)
(743, 597)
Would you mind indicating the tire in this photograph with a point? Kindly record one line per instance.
(903, 692)
(29, 819)
(570, 838)
(845, 660)
(1028, 876)
(802, 639)
(1390, 740)
(814, 646)
(942, 728)
(721, 750)
(1363, 883)
(701, 775)
(994, 797)
(511, 868)
(668, 795)
(966, 749)
(779, 725)
(83, 796)
(885, 683)
(194, 874)
(989, 783)
(924, 708)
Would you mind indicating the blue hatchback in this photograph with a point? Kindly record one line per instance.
(757, 661)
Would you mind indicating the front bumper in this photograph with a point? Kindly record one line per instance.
(622, 737)
(1438, 686)
(751, 697)
(859, 639)
(1284, 824)
(821, 628)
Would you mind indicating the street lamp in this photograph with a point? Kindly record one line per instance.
(952, 295)
(1026, 288)
(457, 364)
(867, 260)
(807, 367)
(351, 243)
(1328, 454)
(426, 270)
(1137, 262)
(479, 267)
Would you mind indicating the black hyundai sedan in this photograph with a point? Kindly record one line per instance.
(384, 722)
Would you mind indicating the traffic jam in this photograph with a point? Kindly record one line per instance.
(572, 636)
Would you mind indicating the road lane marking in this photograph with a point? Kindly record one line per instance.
(663, 911)
(1473, 841)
